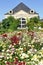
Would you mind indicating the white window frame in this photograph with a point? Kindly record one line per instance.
(22, 23)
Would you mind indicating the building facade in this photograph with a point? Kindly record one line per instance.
(22, 12)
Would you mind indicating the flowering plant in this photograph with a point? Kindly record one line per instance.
(14, 39)
(21, 48)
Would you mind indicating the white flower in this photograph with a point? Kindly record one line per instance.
(32, 41)
(1, 56)
(39, 27)
(41, 62)
(39, 56)
(8, 50)
(20, 48)
(35, 50)
(35, 58)
(13, 46)
(10, 57)
(7, 54)
(42, 48)
(29, 45)
(24, 45)
(23, 55)
(28, 52)
(5, 61)
(7, 57)
(10, 46)
(23, 39)
(31, 54)
(19, 42)
(35, 64)
(3, 50)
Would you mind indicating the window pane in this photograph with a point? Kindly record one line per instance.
(23, 18)
(23, 22)
(19, 26)
(23, 25)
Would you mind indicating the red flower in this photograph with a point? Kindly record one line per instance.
(8, 63)
(20, 63)
(24, 63)
(4, 35)
(14, 39)
(16, 61)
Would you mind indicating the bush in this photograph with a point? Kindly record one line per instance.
(9, 24)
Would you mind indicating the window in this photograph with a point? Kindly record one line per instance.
(11, 12)
(23, 26)
(32, 11)
(23, 18)
(22, 23)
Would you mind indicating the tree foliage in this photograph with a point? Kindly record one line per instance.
(41, 24)
(33, 22)
(9, 24)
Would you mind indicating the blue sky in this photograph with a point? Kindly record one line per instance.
(6, 5)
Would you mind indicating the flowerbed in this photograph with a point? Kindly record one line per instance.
(21, 48)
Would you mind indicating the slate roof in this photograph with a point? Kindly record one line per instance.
(19, 7)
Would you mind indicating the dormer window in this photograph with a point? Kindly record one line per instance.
(11, 12)
(31, 11)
